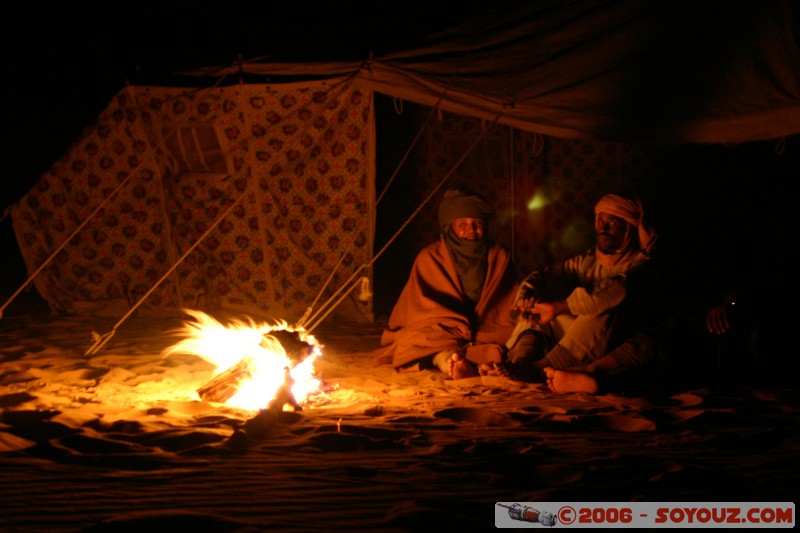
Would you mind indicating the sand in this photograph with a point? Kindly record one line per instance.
(119, 440)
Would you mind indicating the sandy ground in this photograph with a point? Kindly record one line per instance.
(119, 440)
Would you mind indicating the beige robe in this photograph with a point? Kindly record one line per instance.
(593, 293)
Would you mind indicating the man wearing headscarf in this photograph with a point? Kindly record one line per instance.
(458, 295)
(593, 308)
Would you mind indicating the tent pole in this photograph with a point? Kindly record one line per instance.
(262, 220)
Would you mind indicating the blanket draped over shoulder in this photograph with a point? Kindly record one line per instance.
(431, 315)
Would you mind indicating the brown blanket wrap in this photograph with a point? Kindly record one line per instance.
(430, 315)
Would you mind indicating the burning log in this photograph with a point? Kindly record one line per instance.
(284, 396)
(222, 387)
(262, 362)
(225, 385)
(296, 349)
(259, 426)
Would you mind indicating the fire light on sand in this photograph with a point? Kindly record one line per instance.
(250, 360)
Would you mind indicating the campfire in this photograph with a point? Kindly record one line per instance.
(257, 365)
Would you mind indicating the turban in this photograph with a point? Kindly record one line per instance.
(462, 203)
(630, 211)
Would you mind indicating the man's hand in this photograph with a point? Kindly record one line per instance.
(524, 306)
(548, 311)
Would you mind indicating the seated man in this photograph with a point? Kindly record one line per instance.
(457, 298)
(596, 315)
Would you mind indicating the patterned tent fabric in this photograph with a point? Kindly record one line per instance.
(248, 196)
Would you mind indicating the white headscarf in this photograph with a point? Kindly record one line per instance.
(632, 212)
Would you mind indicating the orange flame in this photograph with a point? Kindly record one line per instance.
(225, 346)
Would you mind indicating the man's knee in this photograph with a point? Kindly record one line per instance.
(531, 345)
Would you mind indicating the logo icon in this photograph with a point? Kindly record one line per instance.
(529, 514)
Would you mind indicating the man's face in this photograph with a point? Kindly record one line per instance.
(470, 229)
(611, 232)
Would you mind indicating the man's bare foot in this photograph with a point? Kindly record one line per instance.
(562, 381)
(460, 368)
(491, 369)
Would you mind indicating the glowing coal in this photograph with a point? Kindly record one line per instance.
(255, 363)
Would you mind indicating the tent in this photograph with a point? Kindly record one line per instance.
(258, 191)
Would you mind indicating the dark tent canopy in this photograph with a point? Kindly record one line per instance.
(626, 71)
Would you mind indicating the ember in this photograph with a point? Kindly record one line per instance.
(256, 363)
